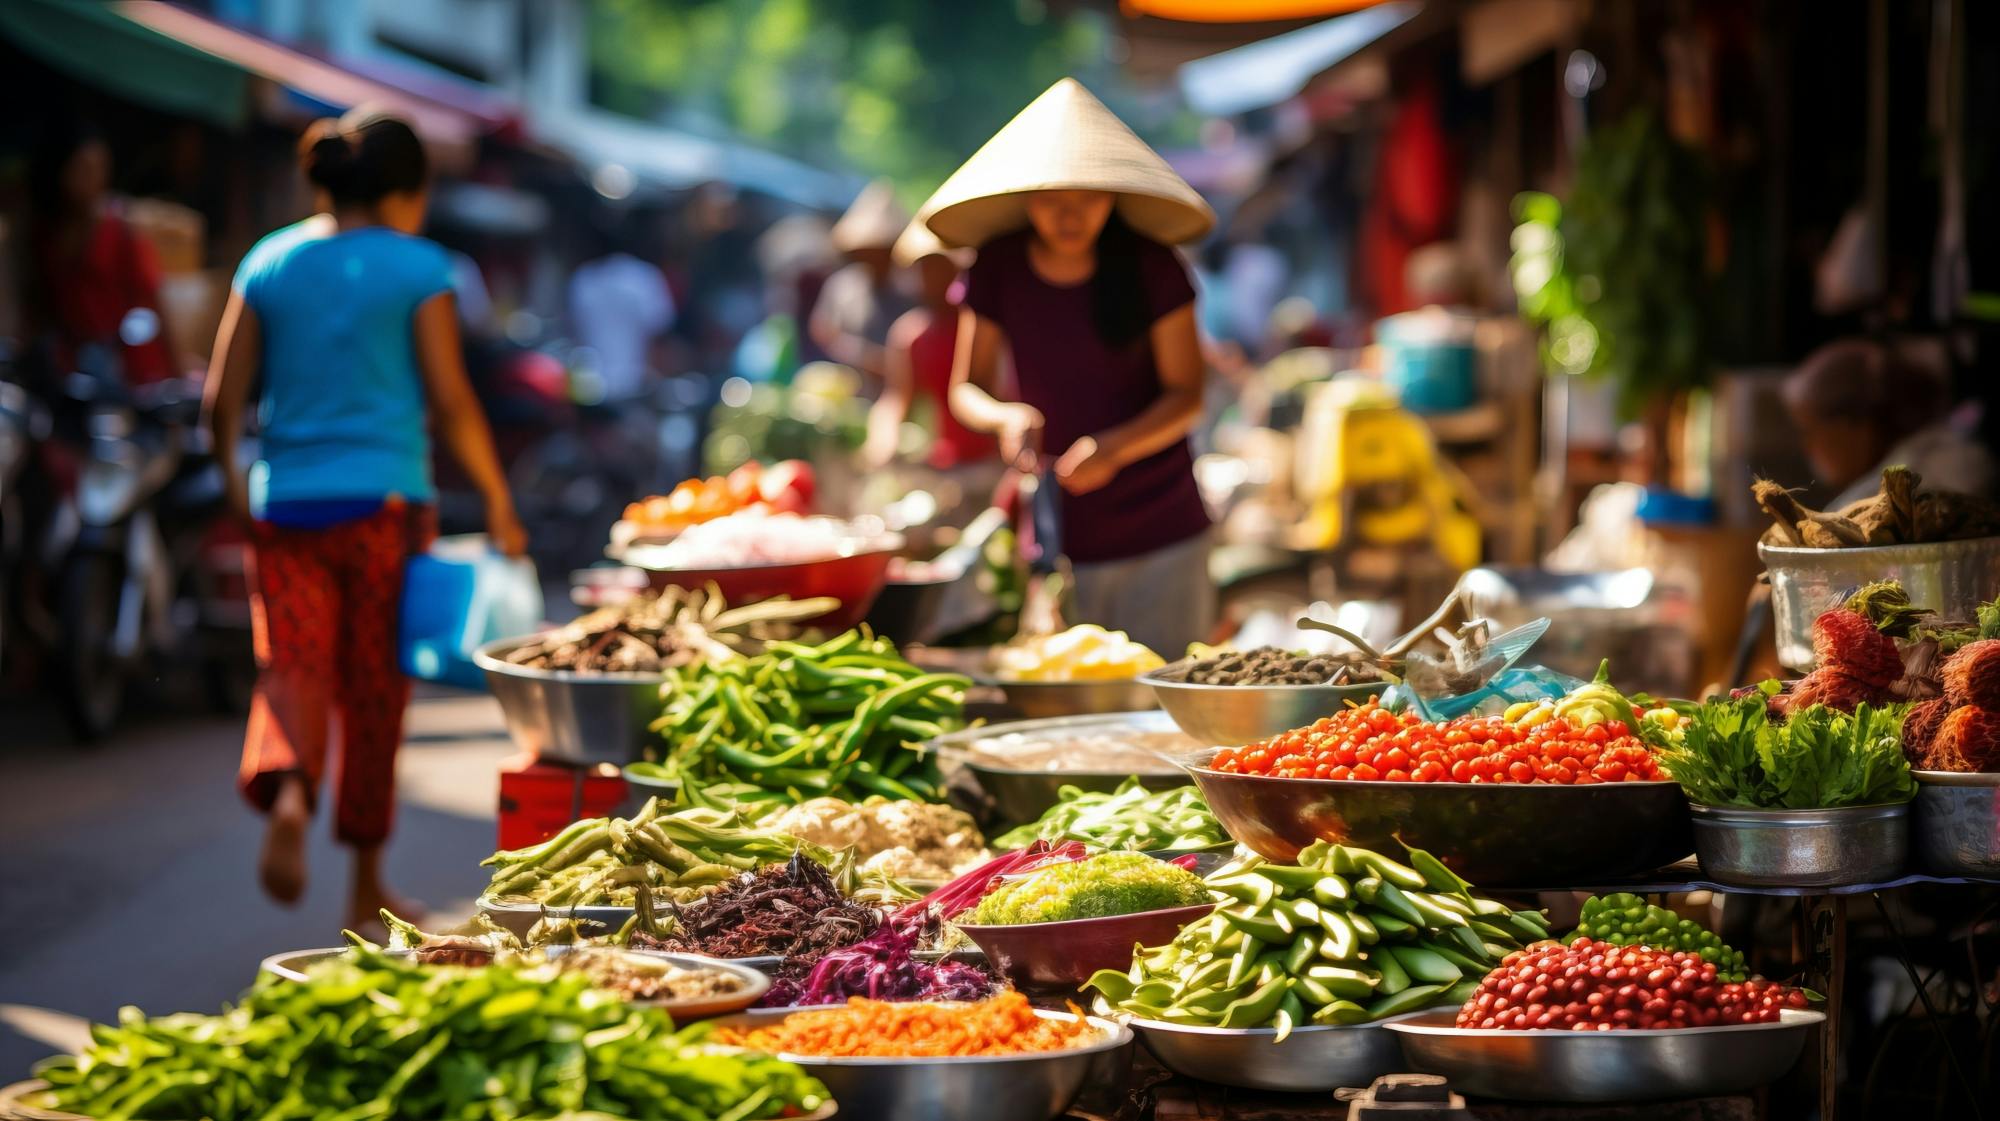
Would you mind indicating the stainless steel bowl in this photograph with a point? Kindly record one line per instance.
(1802, 848)
(751, 987)
(583, 718)
(518, 917)
(1231, 715)
(1037, 700)
(1605, 1066)
(1021, 795)
(1494, 834)
(1034, 1087)
(1949, 577)
(1955, 823)
(1313, 1059)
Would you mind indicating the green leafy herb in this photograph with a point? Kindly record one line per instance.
(1732, 754)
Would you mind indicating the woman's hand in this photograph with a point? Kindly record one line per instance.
(1089, 463)
(1020, 434)
(503, 528)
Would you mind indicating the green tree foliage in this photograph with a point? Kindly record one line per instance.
(902, 88)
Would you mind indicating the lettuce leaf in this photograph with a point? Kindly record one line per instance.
(1733, 754)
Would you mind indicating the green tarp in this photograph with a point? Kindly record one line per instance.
(93, 44)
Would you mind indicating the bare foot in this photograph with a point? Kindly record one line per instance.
(281, 868)
(369, 896)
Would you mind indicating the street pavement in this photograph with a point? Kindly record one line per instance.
(128, 870)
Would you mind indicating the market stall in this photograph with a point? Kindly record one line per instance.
(828, 888)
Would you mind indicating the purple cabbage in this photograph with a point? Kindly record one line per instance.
(883, 966)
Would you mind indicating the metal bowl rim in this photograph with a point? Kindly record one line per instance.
(1153, 678)
(1071, 924)
(1074, 721)
(757, 983)
(1792, 552)
(1144, 1025)
(979, 767)
(486, 657)
(1789, 1018)
(1956, 778)
(1833, 815)
(1114, 1035)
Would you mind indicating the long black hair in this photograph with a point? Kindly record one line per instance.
(1118, 305)
(362, 156)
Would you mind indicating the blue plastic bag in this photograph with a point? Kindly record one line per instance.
(458, 597)
(1521, 683)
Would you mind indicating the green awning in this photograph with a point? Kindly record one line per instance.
(91, 43)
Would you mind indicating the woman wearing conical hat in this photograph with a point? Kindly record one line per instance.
(1073, 217)
(850, 320)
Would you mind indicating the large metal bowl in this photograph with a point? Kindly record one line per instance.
(517, 917)
(751, 987)
(1232, 715)
(1037, 700)
(1021, 795)
(1313, 1059)
(581, 718)
(1033, 1087)
(1495, 834)
(1605, 1066)
(1950, 577)
(1802, 848)
(1955, 823)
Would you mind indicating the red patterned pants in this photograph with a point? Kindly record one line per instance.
(324, 604)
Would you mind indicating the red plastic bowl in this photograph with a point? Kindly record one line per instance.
(1060, 956)
(855, 580)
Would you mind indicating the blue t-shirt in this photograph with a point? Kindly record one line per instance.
(342, 403)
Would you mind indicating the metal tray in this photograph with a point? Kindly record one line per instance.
(1032, 1087)
(1605, 1066)
(1495, 834)
(1038, 700)
(1021, 796)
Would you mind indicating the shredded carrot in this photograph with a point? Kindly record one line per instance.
(1003, 1025)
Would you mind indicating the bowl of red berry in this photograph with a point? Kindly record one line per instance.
(1502, 804)
(1596, 1022)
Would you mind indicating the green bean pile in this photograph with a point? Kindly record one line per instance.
(605, 860)
(372, 1038)
(1132, 817)
(845, 718)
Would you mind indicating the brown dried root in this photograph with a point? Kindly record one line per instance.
(1798, 525)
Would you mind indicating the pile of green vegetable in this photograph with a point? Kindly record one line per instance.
(1132, 817)
(371, 1037)
(1344, 936)
(845, 718)
(1731, 753)
(606, 860)
(1624, 919)
(1110, 883)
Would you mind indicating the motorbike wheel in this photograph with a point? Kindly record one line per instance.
(90, 677)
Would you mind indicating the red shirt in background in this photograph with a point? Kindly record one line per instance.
(1083, 385)
(933, 342)
(89, 294)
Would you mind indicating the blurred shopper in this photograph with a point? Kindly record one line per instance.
(851, 318)
(918, 358)
(620, 307)
(1073, 215)
(1862, 405)
(346, 327)
(91, 267)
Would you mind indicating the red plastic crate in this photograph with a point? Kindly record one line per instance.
(538, 799)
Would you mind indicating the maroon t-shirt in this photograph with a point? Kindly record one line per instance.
(1082, 386)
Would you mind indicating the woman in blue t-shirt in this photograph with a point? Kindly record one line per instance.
(345, 326)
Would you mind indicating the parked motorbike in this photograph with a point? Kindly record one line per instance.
(24, 423)
(146, 578)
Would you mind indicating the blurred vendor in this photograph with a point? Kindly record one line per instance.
(857, 305)
(1862, 405)
(1073, 217)
(917, 362)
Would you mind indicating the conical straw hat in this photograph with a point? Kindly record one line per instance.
(1064, 140)
(919, 242)
(873, 221)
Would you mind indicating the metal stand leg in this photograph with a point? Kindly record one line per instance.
(1826, 969)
